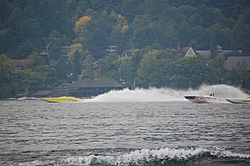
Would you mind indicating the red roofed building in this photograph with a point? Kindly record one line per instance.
(112, 49)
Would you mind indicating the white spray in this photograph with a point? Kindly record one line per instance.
(167, 94)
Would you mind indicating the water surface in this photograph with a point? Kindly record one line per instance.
(127, 128)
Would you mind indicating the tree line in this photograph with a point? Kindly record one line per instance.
(154, 27)
(148, 67)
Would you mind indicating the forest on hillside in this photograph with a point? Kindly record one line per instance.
(154, 27)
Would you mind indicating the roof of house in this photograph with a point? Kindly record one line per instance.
(52, 63)
(44, 53)
(65, 84)
(100, 83)
(225, 52)
(233, 60)
(44, 93)
(207, 54)
(184, 51)
(20, 62)
(127, 53)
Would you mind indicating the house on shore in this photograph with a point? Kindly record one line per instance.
(88, 88)
(185, 51)
(20, 63)
(63, 53)
(127, 53)
(112, 49)
(233, 60)
(220, 52)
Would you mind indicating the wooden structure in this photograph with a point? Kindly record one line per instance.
(112, 49)
(186, 52)
(89, 88)
(44, 94)
(20, 63)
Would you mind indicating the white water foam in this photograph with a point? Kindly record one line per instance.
(167, 94)
(147, 155)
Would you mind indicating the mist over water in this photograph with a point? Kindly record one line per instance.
(167, 94)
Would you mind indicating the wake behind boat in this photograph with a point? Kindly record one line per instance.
(244, 100)
(62, 99)
(202, 99)
(26, 98)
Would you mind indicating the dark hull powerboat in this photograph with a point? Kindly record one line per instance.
(201, 99)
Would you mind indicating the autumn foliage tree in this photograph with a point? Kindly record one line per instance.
(80, 28)
(76, 58)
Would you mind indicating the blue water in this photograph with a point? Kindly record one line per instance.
(141, 127)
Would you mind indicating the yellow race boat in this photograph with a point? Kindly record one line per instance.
(62, 99)
(240, 100)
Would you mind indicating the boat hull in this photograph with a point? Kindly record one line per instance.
(61, 99)
(201, 99)
(239, 100)
(22, 98)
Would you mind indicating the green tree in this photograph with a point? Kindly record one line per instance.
(131, 9)
(81, 7)
(213, 46)
(76, 57)
(54, 44)
(195, 20)
(88, 69)
(243, 29)
(144, 37)
(96, 43)
(108, 67)
(46, 75)
(29, 12)
(34, 60)
(6, 76)
(8, 42)
(35, 73)
(218, 64)
(234, 41)
(13, 20)
(242, 68)
(128, 68)
(127, 71)
(120, 30)
(61, 68)
(247, 81)
(154, 8)
(30, 29)
(25, 49)
(192, 72)
(5, 9)
(233, 77)
(147, 68)
(94, 34)
(29, 78)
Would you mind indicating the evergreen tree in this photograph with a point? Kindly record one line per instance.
(61, 68)
(88, 69)
(213, 46)
(234, 41)
(6, 76)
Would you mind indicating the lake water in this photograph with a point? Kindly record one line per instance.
(141, 127)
